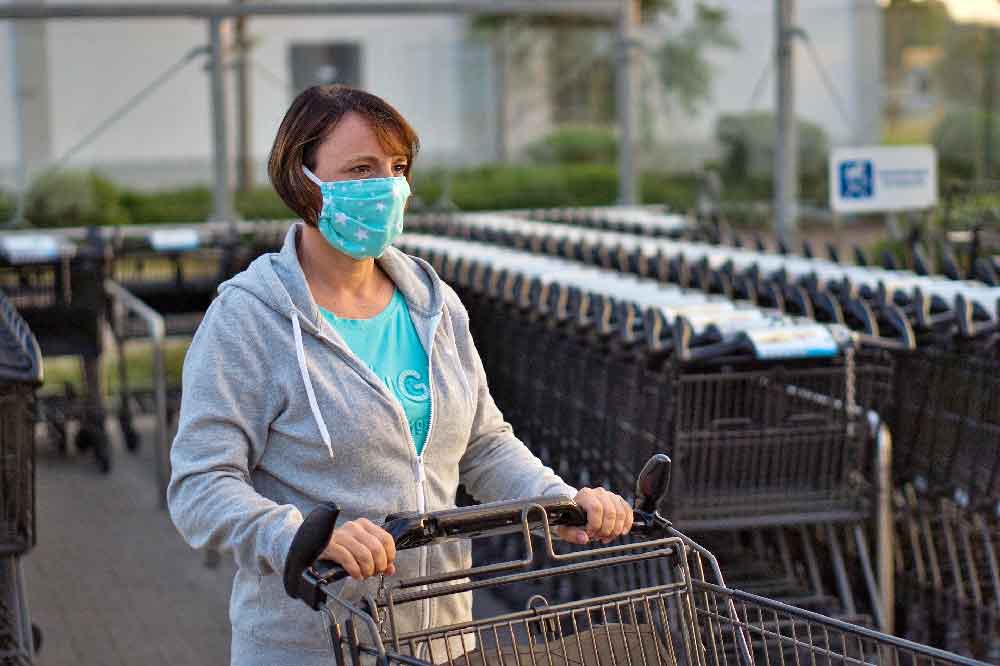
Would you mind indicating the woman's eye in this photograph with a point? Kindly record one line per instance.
(361, 168)
(399, 168)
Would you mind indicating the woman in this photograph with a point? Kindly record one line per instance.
(340, 369)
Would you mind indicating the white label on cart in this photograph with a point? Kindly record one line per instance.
(792, 342)
(173, 240)
(28, 248)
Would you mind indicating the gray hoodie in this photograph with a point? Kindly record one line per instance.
(278, 414)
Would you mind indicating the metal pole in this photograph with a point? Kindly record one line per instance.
(223, 196)
(627, 84)
(786, 142)
(244, 148)
(602, 11)
(20, 158)
(989, 83)
(501, 66)
(885, 526)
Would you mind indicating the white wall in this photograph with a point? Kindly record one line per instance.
(95, 66)
(851, 60)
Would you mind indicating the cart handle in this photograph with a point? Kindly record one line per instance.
(305, 574)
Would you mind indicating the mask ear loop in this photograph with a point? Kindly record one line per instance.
(311, 176)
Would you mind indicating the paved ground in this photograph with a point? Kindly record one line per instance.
(111, 582)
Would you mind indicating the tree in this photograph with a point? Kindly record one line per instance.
(910, 23)
(581, 58)
(685, 72)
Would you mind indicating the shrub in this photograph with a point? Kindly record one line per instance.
(969, 211)
(748, 153)
(959, 142)
(8, 205)
(73, 198)
(262, 203)
(191, 204)
(678, 191)
(575, 144)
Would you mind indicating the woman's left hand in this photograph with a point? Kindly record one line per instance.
(608, 516)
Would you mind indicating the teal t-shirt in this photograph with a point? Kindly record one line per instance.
(388, 344)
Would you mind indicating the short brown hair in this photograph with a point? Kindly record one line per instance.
(313, 114)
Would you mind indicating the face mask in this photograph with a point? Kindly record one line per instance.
(361, 218)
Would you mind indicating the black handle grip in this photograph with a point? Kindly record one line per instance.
(308, 544)
(652, 483)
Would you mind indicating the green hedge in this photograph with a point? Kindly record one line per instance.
(85, 198)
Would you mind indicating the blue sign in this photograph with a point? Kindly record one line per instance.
(857, 179)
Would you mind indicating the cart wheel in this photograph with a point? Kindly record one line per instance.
(130, 435)
(89, 438)
(36, 637)
(102, 454)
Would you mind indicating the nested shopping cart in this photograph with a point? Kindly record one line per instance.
(56, 282)
(20, 376)
(663, 600)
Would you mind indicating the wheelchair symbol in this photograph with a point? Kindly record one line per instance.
(856, 179)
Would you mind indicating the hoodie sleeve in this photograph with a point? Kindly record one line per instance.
(496, 464)
(226, 412)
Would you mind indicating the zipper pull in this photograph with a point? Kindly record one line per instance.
(418, 469)
(418, 473)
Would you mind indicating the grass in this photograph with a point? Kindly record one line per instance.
(63, 370)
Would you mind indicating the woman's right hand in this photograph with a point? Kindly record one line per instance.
(363, 548)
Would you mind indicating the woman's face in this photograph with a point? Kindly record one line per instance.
(352, 151)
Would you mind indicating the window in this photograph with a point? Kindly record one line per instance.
(314, 64)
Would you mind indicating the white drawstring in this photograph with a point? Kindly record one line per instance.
(300, 352)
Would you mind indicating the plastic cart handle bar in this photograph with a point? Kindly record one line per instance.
(305, 574)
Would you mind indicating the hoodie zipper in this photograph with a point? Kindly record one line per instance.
(419, 473)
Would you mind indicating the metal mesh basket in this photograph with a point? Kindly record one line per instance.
(949, 417)
(17, 471)
(20, 374)
(772, 443)
(669, 607)
(15, 633)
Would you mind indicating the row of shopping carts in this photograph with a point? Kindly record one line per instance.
(935, 392)
(957, 255)
(597, 370)
(20, 376)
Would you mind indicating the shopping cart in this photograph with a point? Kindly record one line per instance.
(20, 376)
(56, 282)
(664, 599)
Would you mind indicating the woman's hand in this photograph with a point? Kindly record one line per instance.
(362, 548)
(608, 516)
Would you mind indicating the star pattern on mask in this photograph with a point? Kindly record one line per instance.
(380, 206)
(340, 218)
(362, 234)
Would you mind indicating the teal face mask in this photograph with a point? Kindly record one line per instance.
(362, 218)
